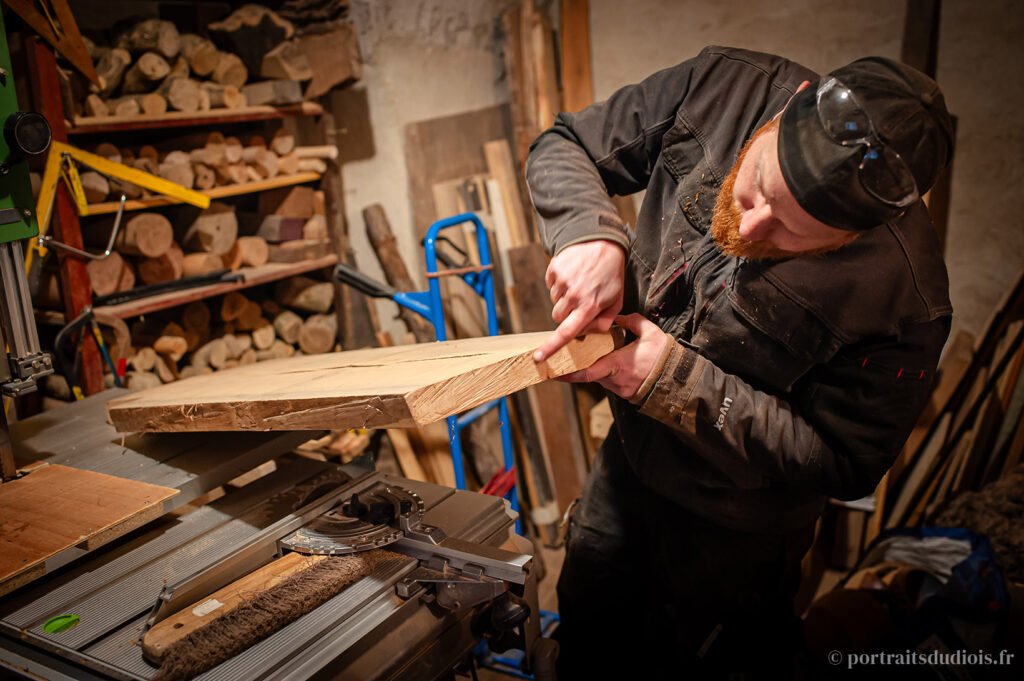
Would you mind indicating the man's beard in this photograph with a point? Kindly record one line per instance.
(726, 217)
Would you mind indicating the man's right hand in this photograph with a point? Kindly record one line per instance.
(586, 283)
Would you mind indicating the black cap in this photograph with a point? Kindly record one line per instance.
(909, 115)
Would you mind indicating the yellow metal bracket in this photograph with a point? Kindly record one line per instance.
(61, 164)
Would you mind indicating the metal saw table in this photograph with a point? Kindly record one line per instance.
(389, 625)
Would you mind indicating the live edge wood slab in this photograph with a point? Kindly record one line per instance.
(394, 387)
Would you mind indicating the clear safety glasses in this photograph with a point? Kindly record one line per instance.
(883, 173)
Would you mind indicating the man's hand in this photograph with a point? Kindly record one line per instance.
(585, 281)
(623, 371)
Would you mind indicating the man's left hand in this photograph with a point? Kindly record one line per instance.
(623, 371)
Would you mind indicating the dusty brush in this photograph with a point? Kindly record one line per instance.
(257, 618)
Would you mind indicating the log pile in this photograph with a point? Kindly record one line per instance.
(213, 161)
(252, 57)
(233, 330)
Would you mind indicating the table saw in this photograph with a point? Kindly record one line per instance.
(459, 572)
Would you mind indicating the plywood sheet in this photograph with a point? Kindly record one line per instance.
(389, 387)
(57, 507)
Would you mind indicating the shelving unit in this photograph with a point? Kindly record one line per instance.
(67, 225)
(215, 193)
(252, 276)
(178, 119)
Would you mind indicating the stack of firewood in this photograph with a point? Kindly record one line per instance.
(152, 250)
(252, 57)
(213, 161)
(233, 331)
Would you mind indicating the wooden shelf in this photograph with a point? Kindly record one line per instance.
(253, 276)
(215, 193)
(89, 125)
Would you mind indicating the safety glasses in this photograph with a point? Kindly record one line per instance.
(883, 173)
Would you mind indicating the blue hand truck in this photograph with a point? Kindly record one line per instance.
(429, 305)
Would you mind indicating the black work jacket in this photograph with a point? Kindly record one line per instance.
(791, 380)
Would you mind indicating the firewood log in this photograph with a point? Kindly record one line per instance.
(224, 96)
(205, 178)
(254, 250)
(163, 268)
(173, 347)
(178, 173)
(183, 94)
(263, 336)
(111, 274)
(195, 264)
(211, 354)
(262, 159)
(111, 67)
(318, 334)
(283, 142)
(141, 380)
(251, 317)
(232, 305)
(278, 350)
(144, 359)
(94, 106)
(145, 74)
(303, 293)
(233, 150)
(151, 35)
(95, 185)
(201, 54)
(213, 231)
(287, 324)
(125, 106)
(230, 70)
(146, 234)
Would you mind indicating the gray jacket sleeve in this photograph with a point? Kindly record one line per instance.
(836, 434)
(607, 149)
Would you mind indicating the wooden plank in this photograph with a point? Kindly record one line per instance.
(214, 193)
(400, 386)
(407, 460)
(447, 148)
(577, 76)
(252, 276)
(56, 507)
(503, 169)
(175, 119)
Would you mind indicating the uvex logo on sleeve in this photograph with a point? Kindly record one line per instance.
(722, 411)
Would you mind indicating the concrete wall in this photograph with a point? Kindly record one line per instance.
(423, 59)
(429, 58)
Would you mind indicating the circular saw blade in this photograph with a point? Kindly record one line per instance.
(334, 533)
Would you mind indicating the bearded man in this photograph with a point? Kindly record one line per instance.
(787, 302)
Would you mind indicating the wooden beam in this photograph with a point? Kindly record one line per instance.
(400, 386)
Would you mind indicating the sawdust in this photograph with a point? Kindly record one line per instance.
(996, 511)
(237, 630)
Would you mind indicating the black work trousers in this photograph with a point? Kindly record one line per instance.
(650, 591)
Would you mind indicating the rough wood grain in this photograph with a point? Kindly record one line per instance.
(56, 507)
(398, 386)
